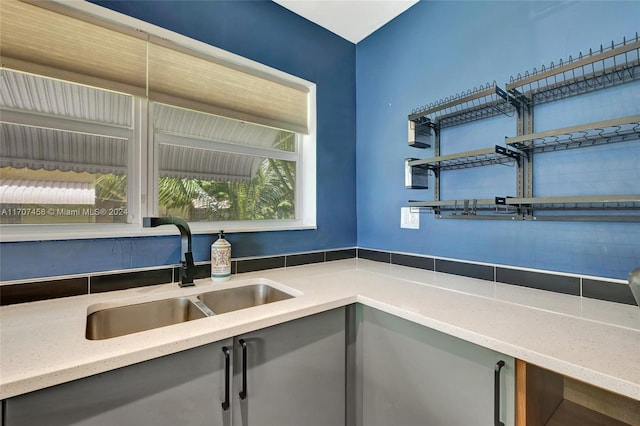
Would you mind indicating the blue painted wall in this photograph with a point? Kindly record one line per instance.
(434, 50)
(438, 49)
(267, 33)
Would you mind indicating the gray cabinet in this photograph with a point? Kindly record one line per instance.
(186, 388)
(408, 375)
(356, 366)
(295, 373)
(295, 376)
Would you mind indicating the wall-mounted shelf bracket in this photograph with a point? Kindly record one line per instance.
(425, 122)
(507, 152)
(519, 100)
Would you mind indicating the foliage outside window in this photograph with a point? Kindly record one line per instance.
(270, 195)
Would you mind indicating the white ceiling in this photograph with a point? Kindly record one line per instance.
(353, 20)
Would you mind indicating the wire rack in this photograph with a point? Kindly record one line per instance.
(592, 134)
(604, 67)
(480, 102)
(620, 208)
(468, 208)
(468, 159)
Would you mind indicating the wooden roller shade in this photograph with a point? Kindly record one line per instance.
(71, 47)
(57, 41)
(191, 80)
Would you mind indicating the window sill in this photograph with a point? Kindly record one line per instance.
(16, 233)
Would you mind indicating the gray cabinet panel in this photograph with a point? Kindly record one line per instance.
(295, 374)
(186, 388)
(411, 375)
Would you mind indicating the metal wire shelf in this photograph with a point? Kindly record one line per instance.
(468, 159)
(609, 66)
(473, 208)
(606, 67)
(591, 134)
(587, 208)
(480, 102)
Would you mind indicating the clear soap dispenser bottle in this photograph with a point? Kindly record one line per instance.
(220, 259)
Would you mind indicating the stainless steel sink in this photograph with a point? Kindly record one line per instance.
(233, 299)
(118, 321)
(121, 320)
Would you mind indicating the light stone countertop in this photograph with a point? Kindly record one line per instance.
(43, 344)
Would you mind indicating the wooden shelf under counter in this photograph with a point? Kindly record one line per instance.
(546, 398)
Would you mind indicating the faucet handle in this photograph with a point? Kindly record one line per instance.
(187, 271)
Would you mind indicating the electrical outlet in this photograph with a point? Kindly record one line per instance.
(409, 218)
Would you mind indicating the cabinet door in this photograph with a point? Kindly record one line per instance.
(295, 373)
(186, 388)
(412, 375)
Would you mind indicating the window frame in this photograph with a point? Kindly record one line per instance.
(141, 178)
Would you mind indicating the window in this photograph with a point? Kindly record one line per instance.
(213, 168)
(106, 119)
(66, 155)
(63, 147)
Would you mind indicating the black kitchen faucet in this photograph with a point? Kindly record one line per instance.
(188, 268)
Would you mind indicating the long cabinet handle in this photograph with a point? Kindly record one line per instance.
(243, 392)
(227, 377)
(496, 394)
